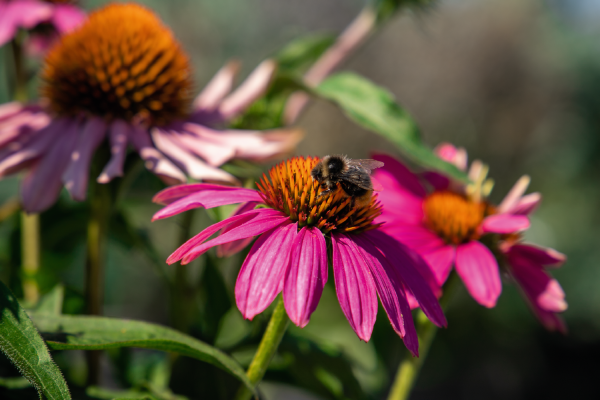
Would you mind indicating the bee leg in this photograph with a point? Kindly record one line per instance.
(324, 192)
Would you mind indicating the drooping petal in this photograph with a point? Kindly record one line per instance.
(155, 161)
(527, 204)
(218, 87)
(262, 274)
(21, 126)
(42, 184)
(195, 167)
(478, 269)
(8, 110)
(24, 13)
(208, 199)
(176, 192)
(251, 89)
(306, 275)
(514, 194)
(398, 176)
(67, 17)
(440, 260)
(414, 236)
(261, 223)
(355, 287)
(505, 223)
(537, 254)
(231, 248)
(191, 136)
(390, 290)
(28, 150)
(406, 266)
(75, 177)
(118, 136)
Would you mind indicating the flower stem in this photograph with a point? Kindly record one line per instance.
(267, 348)
(100, 208)
(409, 368)
(181, 292)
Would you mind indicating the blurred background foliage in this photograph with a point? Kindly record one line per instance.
(517, 83)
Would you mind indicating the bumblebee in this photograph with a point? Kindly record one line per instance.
(352, 176)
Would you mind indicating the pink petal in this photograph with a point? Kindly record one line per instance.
(478, 269)
(119, 133)
(306, 275)
(261, 223)
(398, 176)
(155, 161)
(505, 223)
(457, 156)
(8, 110)
(416, 237)
(231, 248)
(218, 87)
(527, 204)
(42, 184)
(174, 193)
(22, 125)
(514, 194)
(191, 137)
(67, 17)
(391, 292)
(262, 274)
(355, 287)
(208, 199)
(440, 260)
(195, 167)
(538, 255)
(406, 266)
(251, 89)
(24, 13)
(75, 177)
(437, 180)
(32, 149)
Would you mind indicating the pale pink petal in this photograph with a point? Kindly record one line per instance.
(24, 13)
(406, 266)
(504, 223)
(251, 89)
(452, 154)
(67, 17)
(42, 184)
(17, 155)
(7, 110)
(550, 320)
(261, 223)
(355, 287)
(22, 125)
(306, 275)
(514, 195)
(218, 87)
(214, 152)
(391, 292)
(208, 199)
(231, 248)
(537, 254)
(155, 161)
(440, 260)
(195, 167)
(478, 269)
(118, 136)
(75, 177)
(262, 274)
(527, 204)
(397, 176)
(174, 193)
(8, 26)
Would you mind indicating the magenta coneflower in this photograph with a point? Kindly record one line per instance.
(295, 228)
(454, 225)
(130, 84)
(44, 19)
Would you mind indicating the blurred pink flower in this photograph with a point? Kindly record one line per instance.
(454, 225)
(61, 17)
(143, 103)
(290, 254)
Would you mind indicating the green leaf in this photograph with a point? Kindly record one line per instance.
(15, 383)
(52, 302)
(300, 53)
(24, 346)
(69, 332)
(374, 108)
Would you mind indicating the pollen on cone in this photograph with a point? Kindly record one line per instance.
(290, 188)
(121, 63)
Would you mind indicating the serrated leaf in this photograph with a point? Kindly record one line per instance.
(374, 108)
(67, 332)
(24, 346)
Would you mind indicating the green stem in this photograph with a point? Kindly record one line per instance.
(266, 350)
(100, 209)
(409, 368)
(182, 292)
(30, 256)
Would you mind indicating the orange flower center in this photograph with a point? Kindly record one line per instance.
(454, 217)
(121, 63)
(290, 189)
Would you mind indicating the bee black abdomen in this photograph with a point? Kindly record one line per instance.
(353, 190)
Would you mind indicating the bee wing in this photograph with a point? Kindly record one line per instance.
(366, 164)
(358, 177)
